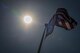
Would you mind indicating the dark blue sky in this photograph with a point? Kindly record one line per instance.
(16, 37)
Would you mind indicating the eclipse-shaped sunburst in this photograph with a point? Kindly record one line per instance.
(27, 19)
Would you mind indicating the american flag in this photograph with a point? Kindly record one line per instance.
(61, 19)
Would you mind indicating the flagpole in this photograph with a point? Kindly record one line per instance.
(41, 42)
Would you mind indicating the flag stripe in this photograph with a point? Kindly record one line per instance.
(63, 24)
(68, 25)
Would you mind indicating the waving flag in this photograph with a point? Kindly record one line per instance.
(60, 19)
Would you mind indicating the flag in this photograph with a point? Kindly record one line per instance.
(61, 19)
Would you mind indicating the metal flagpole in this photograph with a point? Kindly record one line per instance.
(39, 49)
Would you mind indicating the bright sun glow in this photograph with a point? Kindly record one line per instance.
(27, 19)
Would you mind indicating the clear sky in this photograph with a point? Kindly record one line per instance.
(18, 37)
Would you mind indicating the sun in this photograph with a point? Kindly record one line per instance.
(27, 19)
